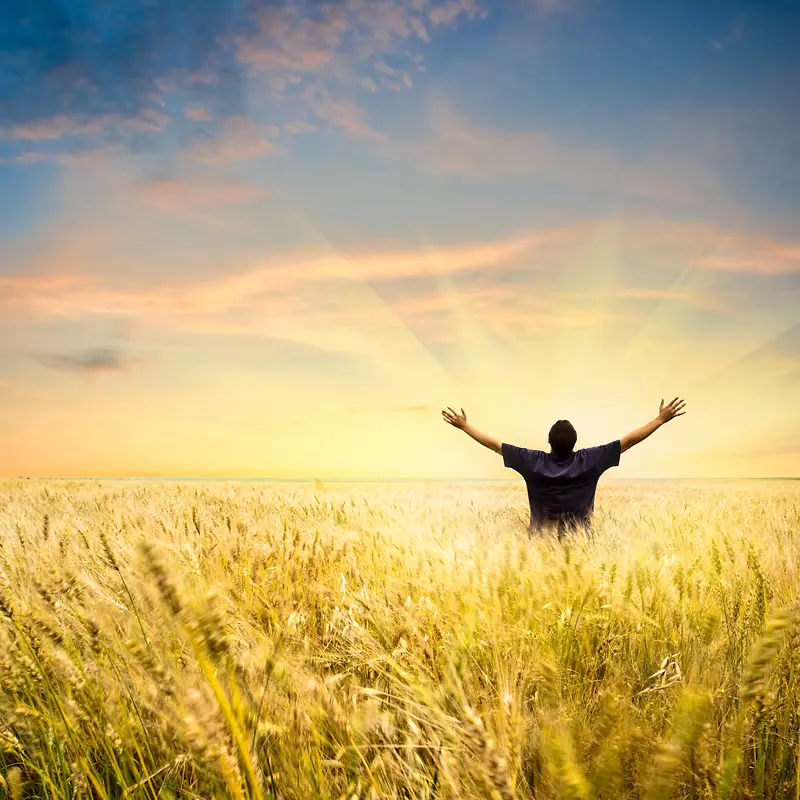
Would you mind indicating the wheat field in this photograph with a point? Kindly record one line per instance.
(204, 640)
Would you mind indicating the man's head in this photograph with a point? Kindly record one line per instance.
(562, 438)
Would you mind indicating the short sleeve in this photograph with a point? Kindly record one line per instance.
(520, 459)
(604, 457)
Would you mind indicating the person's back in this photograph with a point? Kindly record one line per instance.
(562, 483)
(561, 488)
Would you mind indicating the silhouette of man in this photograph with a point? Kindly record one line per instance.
(562, 483)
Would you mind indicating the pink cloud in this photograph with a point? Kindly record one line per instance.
(179, 196)
(753, 254)
(197, 114)
(57, 127)
(283, 276)
(239, 138)
(64, 126)
(298, 127)
(458, 146)
(402, 77)
(336, 45)
(345, 115)
(368, 84)
(690, 298)
(53, 294)
(446, 13)
(302, 296)
(418, 26)
(94, 156)
(147, 121)
(505, 311)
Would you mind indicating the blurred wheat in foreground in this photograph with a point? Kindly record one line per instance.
(396, 641)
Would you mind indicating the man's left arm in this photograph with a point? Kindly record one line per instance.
(460, 421)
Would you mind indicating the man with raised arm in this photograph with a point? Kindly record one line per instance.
(562, 483)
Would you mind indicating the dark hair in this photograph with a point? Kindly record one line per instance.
(562, 437)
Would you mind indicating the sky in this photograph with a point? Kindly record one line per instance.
(252, 238)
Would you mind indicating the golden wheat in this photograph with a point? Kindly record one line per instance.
(299, 641)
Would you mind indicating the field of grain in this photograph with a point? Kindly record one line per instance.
(396, 641)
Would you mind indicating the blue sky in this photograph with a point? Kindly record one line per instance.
(394, 204)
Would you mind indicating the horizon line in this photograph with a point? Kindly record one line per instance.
(269, 479)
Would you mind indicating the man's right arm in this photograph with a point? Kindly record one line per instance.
(460, 421)
(665, 414)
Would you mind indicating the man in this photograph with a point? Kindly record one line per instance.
(562, 483)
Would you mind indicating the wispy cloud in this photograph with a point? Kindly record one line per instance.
(88, 362)
(504, 287)
(197, 114)
(187, 71)
(57, 127)
(394, 79)
(334, 50)
(194, 198)
(341, 113)
(320, 301)
(448, 12)
(456, 145)
(510, 312)
(735, 33)
(233, 139)
(62, 294)
(92, 64)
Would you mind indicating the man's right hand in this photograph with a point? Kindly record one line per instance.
(674, 409)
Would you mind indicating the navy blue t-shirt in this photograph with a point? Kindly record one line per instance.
(561, 489)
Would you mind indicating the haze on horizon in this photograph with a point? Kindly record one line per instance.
(276, 238)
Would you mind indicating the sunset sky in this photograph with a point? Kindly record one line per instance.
(275, 239)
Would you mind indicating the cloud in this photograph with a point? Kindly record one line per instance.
(197, 114)
(62, 125)
(709, 302)
(56, 63)
(455, 145)
(88, 362)
(209, 78)
(524, 285)
(61, 294)
(180, 197)
(735, 33)
(322, 301)
(160, 70)
(448, 12)
(73, 139)
(509, 311)
(339, 48)
(343, 114)
(299, 126)
(368, 85)
(754, 254)
(401, 77)
(236, 139)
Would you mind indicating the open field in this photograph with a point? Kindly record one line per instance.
(397, 641)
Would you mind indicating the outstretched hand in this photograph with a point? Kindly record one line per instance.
(674, 409)
(454, 418)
